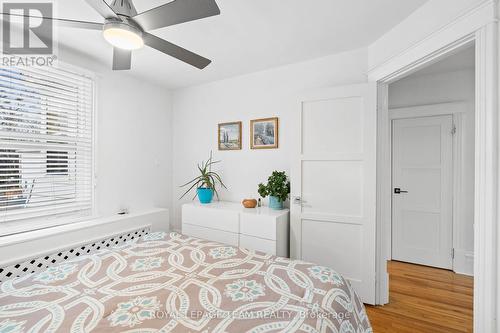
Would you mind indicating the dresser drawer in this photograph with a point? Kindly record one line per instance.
(258, 244)
(210, 234)
(219, 219)
(260, 226)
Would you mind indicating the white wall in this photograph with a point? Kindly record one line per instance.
(456, 86)
(198, 110)
(134, 157)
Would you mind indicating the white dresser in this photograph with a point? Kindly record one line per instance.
(260, 229)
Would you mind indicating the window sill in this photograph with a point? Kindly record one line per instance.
(69, 226)
(12, 228)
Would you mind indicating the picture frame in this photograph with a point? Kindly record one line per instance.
(229, 136)
(264, 133)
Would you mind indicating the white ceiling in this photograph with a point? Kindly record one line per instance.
(462, 60)
(248, 36)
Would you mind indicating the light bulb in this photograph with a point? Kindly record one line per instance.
(123, 36)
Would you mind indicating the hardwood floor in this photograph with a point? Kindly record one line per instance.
(424, 300)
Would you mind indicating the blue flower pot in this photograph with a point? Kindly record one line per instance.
(205, 195)
(275, 203)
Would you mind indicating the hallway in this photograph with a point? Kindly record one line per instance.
(424, 300)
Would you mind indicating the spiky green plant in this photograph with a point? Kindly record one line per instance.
(206, 179)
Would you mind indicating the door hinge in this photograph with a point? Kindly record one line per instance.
(453, 130)
(452, 253)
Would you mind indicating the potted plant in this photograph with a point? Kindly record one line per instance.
(205, 183)
(277, 188)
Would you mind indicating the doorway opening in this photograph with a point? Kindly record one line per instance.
(432, 118)
(431, 178)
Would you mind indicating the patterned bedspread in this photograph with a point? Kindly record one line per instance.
(174, 283)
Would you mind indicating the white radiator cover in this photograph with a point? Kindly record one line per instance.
(40, 263)
(34, 251)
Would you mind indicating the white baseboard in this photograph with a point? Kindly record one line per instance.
(463, 262)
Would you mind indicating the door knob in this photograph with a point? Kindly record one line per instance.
(397, 190)
(297, 200)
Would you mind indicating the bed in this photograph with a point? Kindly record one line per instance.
(169, 282)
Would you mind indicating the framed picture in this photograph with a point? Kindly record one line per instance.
(230, 136)
(264, 133)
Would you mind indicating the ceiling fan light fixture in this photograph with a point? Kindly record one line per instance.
(123, 36)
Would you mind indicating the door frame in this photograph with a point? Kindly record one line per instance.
(478, 26)
(456, 110)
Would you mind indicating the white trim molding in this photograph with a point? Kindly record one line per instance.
(451, 37)
(480, 26)
(486, 184)
(427, 110)
(464, 260)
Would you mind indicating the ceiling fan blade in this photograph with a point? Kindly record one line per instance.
(102, 8)
(178, 11)
(175, 51)
(65, 22)
(122, 59)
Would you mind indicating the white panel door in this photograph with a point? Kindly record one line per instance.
(334, 184)
(422, 174)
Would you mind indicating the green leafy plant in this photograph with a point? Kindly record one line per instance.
(277, 186)
(206, 179)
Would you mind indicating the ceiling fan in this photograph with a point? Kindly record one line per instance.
(126, 30)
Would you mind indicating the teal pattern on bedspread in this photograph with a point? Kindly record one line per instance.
(169, 282)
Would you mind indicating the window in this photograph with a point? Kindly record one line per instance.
(46, 150)
(57, 162)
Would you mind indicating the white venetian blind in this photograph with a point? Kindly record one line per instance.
(45, 143)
